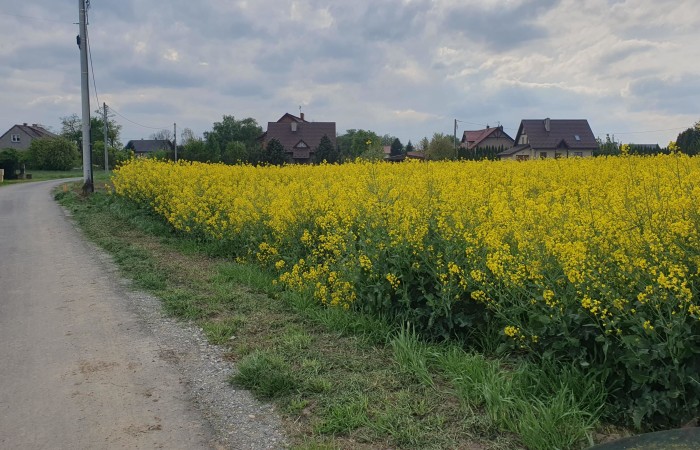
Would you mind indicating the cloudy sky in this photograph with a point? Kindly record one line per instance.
(403, 67)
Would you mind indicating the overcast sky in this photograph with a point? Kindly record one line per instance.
(403, 67)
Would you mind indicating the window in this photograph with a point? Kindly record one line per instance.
(543, 155)
(578, 154)
(522, 157)
(577, 137)
(15, 138)
(523, 139)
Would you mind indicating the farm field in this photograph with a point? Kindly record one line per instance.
(588, 265)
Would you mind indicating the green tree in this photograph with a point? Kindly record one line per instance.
(196, 150)
(9, 162)
(234, 153)
(410, 147)
(359, 143)
(441, 147)
(231, 130)
(689, 140)
(71, 129)
(396, 147)
(275, 153)
(52, 154)
(326, 151)
(607, 147)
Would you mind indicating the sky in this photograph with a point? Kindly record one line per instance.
(407, 68)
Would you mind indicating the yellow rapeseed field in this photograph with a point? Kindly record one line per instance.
(571, 256)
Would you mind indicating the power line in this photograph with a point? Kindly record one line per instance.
(651, 131)
(111, 108)
(92, 68)
(66, 22)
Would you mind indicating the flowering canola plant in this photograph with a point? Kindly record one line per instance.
(594, 260)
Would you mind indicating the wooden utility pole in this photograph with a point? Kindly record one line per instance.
(106, 138)
(175, 139)
(88, 187)
(455, 141)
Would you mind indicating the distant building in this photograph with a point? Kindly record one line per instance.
(145, 147)
(299, 137)
(552, 139)
(486, 138)
(19, 137)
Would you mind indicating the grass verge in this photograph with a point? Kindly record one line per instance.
(339, 379)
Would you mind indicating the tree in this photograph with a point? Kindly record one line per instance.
(326, 151)
(441, 147)
(275, 153)
(163, 135)
(52, 154)
(423, 145)
(689, 141)
(196, 150)
(396, 147)
(9, 162)
(231, 130)
(234, 153)
(607, 147)
(72, 129)
(186, 136)
(409, 147)
(359, 143)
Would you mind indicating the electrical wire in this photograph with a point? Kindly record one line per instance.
(135, 123)
(67, 22)
(92, 68)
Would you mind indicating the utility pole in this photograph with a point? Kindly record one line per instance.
(455, 141)
(88, 187)
(175, 139)
(106, 135)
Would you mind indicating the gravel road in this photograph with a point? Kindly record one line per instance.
(87, 362)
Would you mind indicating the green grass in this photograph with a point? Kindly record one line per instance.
(342, 379)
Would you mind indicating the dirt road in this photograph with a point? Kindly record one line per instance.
(79, 368)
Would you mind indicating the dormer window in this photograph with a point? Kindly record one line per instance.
(15, 138)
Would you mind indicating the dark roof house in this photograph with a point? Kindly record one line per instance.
(299, 137)
(19, 137)
(552, 138)
(488, 137)
(144, 147)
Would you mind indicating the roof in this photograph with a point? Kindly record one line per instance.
(570, 133)
(475, 137)
(34, 131)
(149, 145)
(514, 150)
(309, 132)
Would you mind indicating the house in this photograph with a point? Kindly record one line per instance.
(20, 136)
(145, 147)
(552, 139)
(486, 138)
(299, 137)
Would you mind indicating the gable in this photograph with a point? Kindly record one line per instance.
(565, 133)
(292, 134)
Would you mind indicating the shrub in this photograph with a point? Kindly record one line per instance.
(9, 162)
(52, 154)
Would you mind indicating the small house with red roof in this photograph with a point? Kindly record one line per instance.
(487, 138)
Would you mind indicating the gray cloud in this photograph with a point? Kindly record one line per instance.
(499, 28)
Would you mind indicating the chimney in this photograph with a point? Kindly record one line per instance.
(547, 125)
(25, 124)
(301, 115)
(487, 126)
